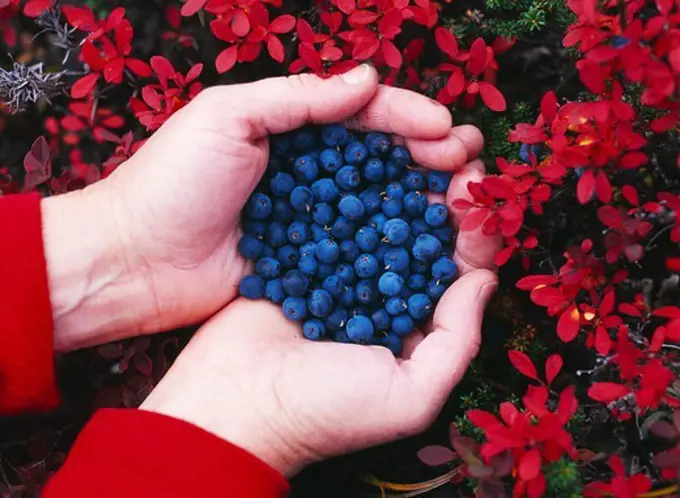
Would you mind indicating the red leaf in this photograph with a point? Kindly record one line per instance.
(162, 67)
(462, 204)
(630, 194)
(473, 219)
(192, 6)
(38, 164)
(34, 8)
(629, 309)
(81, 88)
(672, 312)
(346, 6)
(553, 365)
(603, 343)
(282, 24)
(549, 106)
(568, 324)
(391, 54)
(606, 392)
(447, 42)
(436, 455)
(477, 60)
(80, 17)
(523, 364)
(492, 97)
(366, 48)
(138, 67)
(533, 281)
(610, 217)
(275, 48)
(142, 363)
(530, 465)
(362, 17)
(547, 296)
(586, 187)
(240, 24)
(226, 59)
(456, 83)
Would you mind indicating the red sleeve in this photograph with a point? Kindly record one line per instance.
(27, 381)
(140, 454)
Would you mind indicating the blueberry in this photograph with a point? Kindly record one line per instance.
(268, 251)
(282, 211)
(304, 217)
(334, 285)
(323, 214)
(255, 228)
(335, 135)
(372, 201)
(325, 190)
(427, 248)
(400, 156)
(306, 170)
(342, 228)
(352, 208)
(374, 170)
(337, 319)
(282, 184)
(349, 251)
(348, 178)
(340, 336)
(417, 281)
(366, 266)
(360, 311)
(390, 284)
(438, 181)
(415, 204)
(444, 234)
(396, 231)
(356, 153)
(360, 329)
(295, 308)
(436, 215)
(308, 249)
(419, 306)
(444, 270)
(314, 329)
(324, 270)
(414, 180)
(396, 259)
(320, 303)
(395, 306)
(395, 191)
(276, 235)
(327, 251)
(378, 221)
(365, 292)
(302, 199)
(304, 139)
(406, 293)
(308, 265)
(419, 266)
(382, 249)
(393, 172)
(392, 207)
(392, 342)
(295, 283)
(319, 233)
(298, 233)
(419, 227)
(348, 297)
(381, 319)
(252, 287)
(346, 272)
(402, 325)
(331, 160)
(435, 290)
(367, 239)
(378, 144)
(274, 292)
(258, 207)
(268, 268)
(250, 247)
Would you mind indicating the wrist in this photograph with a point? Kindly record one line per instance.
(95, 295)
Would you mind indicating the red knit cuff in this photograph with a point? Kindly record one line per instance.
(27, 381)
(136, 453)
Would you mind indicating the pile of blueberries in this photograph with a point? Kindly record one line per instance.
(344, 239)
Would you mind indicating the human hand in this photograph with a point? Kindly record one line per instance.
(249, 377)
(153, 247)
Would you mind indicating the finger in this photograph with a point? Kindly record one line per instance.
(460, 145)
(474, 250)
(439, 361)
(392, 110)
(277, 105)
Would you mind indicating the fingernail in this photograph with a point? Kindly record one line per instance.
(356, 75)
(488, 291)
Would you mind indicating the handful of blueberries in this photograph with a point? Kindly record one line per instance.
(344, 239)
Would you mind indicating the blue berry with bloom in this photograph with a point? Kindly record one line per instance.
(427, 248)
(356, 153)
(366, 266)
(444, 270)
(327, 251)
(419, 227)
(324, 270)
(325, 190)
(396, 259)
(258, 207)
(360, 329)
(276, 235)
(342, 228)
(348, 178)
(396, 231)
(349, 251)
(295, 308)
(395, 190)
(323, 214)
(378, 144)
(346, 272)
(320, 303)
(335, 135)
(299, 233)
(252, 287)
(400, 156)
(250, 247)
(331, 160)
(337, 319)
(392, 208)
(282, 211)
(436, 215)
(417, 281)
(435, 290)
(314, 329)
(438, 181)
(295, 283)
(268, 268)
(395, 306)
(288, 256)
(402, 325)
(274, 292)
(306, 170)
(304, 139)
(392, 342)
(374, 170)
(334, 285)
(390, 284)
(378, 221)
(351, 207)
(365, 291)
(302, 199)
(414, 180)
(319, 233)
(308, 265)
(367, 239)
(372, 201)
(381, 319)
(419, 307)
(415, 204)
(282, 184)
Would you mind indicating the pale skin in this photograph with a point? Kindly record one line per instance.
(153, 247)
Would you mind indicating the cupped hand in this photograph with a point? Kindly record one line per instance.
(153, 247)
(249, 377)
